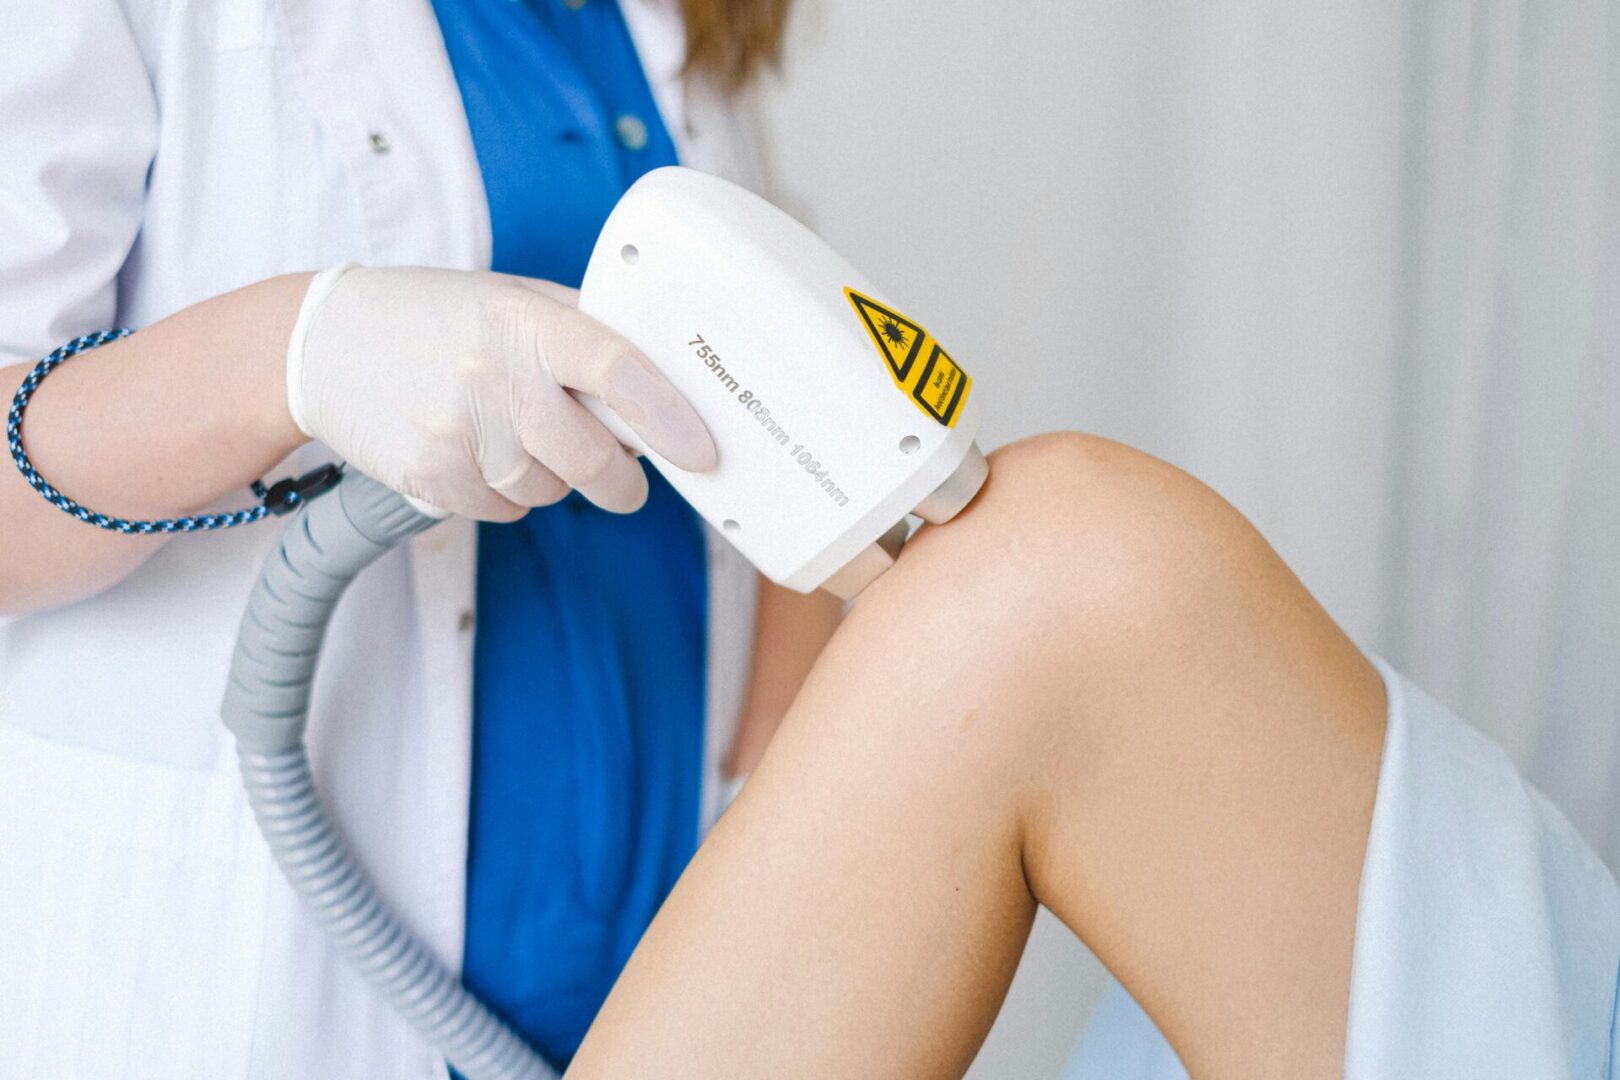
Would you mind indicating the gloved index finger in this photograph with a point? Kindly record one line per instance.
(585, 355)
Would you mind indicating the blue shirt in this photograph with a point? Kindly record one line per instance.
(589, 661)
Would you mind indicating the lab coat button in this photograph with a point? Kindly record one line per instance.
(465, 623)
(632, 132)
(380, 143)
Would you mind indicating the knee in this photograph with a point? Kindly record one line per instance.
(1092, 540)
(1091, 581)
(1095, 620)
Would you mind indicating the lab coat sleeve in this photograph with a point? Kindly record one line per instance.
(78, 130)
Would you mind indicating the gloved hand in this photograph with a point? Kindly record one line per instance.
(451, 387)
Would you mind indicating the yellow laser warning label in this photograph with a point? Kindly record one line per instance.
(917, 363)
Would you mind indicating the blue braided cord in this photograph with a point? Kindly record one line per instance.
(14, 418)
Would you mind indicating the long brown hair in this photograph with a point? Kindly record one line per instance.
(732, 39)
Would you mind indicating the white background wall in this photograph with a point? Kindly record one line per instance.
(1356, 265)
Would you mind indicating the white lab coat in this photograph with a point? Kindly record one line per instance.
(154, 153)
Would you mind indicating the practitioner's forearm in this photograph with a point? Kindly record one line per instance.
(159, 424)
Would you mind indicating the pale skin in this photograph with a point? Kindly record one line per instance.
(1100, 690)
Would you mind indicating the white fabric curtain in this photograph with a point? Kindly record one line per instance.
(1501, 583)
(1356, 265)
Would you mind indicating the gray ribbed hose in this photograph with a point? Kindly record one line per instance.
(266, 704)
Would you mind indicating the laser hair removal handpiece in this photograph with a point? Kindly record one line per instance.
(835, 417)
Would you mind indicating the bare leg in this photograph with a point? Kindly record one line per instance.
(1100, 689)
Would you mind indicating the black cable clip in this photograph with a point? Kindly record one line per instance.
(285, 496)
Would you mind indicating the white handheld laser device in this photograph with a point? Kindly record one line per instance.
(834, 415)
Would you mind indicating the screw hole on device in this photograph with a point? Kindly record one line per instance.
(910, 444)
(630, 254)
(730, 525)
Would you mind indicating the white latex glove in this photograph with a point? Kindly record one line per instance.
(451, 386)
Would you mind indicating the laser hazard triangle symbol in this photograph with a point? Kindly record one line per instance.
(897, 337)
(917, 363)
